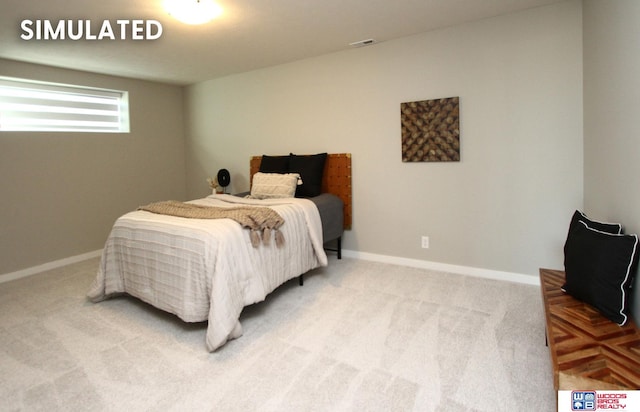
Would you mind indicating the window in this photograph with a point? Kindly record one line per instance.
(27, 105)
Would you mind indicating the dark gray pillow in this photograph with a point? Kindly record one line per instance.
(274, 164)
(311, 170)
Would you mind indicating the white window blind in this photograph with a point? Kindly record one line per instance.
(27, 105)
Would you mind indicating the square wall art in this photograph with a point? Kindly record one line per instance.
(431, 130)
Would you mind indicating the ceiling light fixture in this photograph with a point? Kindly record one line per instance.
(193, 11)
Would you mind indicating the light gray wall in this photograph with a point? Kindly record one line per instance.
(61, 192)
(611, 110)
(505, 206)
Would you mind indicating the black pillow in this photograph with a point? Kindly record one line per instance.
(578, 216)
(615, 228)
(599, 269)
(274, 164)
(311, 169)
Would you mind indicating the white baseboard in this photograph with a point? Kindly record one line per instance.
(445, 267)
(48, 266)
(415, 263)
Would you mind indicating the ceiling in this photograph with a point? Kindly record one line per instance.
(250, 34)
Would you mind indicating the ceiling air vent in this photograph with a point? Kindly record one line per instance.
(362, 43)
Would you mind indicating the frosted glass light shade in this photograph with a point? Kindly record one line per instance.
(193, 11)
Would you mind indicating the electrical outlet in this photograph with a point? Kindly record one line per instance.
(425, 242)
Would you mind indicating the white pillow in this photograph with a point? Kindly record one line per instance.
(274, 185)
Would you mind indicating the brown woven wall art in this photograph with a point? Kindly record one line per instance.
(431, 130)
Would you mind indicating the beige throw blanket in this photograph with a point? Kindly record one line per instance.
(261, 221)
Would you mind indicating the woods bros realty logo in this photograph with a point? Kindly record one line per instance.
(88, 30)
(597, 401)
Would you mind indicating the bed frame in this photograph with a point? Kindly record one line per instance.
(336, 179)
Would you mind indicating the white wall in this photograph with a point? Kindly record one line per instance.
(611, 109)
(505, 206)
(61, 192)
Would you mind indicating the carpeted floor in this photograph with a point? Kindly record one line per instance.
(358, 336)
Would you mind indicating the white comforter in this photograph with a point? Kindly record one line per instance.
(207, 269)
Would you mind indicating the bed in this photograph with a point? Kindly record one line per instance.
(209, 269)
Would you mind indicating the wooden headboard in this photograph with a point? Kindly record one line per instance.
(336, 179)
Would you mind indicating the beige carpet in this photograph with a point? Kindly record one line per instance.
(358, 336)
